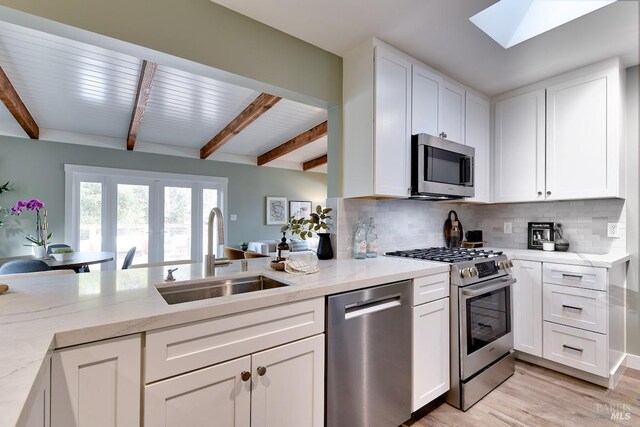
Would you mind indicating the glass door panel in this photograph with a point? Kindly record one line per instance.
(90, 231)
(132, 222)
(177, 223)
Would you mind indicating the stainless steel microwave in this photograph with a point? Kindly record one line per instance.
(440, 169)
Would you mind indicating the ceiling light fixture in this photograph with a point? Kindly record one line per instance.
(510, 22)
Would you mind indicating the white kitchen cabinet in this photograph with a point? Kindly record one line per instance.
(527, 307)
(216, 396)
(279, 387)
(582, 138)
(377, 117)
(477, 135)
(38, 413)
(430, 352)
(97, 384)
(519, 148)
(437, 105)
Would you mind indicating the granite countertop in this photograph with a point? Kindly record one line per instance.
(574, 258)
(39, 315)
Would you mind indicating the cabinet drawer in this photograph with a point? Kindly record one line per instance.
(581, 308)
(575, 275)
(577, 348)
(180, 349)
(430, 288)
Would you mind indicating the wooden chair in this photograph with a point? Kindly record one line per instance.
(233, 253)
(249, 255)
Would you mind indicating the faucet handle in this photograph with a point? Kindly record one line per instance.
(170, 277)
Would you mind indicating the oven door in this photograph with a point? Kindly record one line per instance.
(442, 167)
(485, 324)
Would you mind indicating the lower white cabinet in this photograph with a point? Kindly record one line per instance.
(38, 413)
(282, 386)
(527, 307)
(97, 384)
(584, 350)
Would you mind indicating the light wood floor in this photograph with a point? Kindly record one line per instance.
(536, 396)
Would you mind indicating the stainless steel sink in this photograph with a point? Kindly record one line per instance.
(178, 293)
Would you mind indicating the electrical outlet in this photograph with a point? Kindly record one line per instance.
(508, 228)
(613, 229)
(233, 217)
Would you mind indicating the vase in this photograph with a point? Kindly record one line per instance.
(325, 251)
(38, 252)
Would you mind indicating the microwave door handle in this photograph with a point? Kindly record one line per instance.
(467, 171)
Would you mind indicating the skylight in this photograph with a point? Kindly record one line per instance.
(510, 22)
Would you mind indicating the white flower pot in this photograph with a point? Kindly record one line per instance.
(38, 252)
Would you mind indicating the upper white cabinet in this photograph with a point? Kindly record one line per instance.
(519, 148)
(97, 384)
(477, 135)
(559, 139)
(438, 106)
(377, 116)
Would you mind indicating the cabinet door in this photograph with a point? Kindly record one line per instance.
(39, 410)
(452, 112)
(290, 391)
(577, 139)
(520, 148)
(477, 122)
(97, 384)
(425, 101)
(392, 123)
(430, 352)
(527, 307)
(214, 397)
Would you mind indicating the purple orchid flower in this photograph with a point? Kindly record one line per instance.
(30, 205)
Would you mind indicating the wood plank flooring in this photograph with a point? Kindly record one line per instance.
(535, 396)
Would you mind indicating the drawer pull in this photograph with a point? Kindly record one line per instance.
(579, 350)
(572, 276)
(570, 307)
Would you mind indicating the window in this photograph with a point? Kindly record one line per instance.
(163, 215)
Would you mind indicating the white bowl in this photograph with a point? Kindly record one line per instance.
(63, 257)
(548, 246)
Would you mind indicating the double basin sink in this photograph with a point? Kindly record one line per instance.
(179, 293)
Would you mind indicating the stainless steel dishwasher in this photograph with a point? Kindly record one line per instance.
(369, 357)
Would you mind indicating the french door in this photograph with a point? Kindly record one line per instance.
(163, 216)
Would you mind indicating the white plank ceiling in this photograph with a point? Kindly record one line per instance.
(77, 88)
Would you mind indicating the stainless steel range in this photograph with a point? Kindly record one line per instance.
(481, 329)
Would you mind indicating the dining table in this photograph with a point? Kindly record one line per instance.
(80, 261)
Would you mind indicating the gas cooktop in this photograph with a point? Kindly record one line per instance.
(450, 255)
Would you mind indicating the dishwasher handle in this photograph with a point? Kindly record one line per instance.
(361, 308)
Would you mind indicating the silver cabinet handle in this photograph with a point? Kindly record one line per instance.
(571, 307)
(573, 276)
(579, 350)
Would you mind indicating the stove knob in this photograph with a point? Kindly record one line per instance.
(502, 265)
(465, 273)
(473, 271)
(510, 264)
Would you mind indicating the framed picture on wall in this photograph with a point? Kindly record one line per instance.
(299, 209)
(540, 232)
(276, 210)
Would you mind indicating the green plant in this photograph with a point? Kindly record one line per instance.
(63, 251)
(306, 227)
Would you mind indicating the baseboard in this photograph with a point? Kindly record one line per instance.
(633, 362)
(567, 370)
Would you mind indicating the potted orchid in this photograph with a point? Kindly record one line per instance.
(42, 236)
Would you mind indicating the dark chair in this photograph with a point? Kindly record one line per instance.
(128, 259)
(23, 266)
(52, 248)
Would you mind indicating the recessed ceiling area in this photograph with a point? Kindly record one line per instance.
(80, 93)
(439, 33)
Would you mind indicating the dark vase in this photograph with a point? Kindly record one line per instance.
(325, 251)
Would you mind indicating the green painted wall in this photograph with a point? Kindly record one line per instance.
(209, 34)
(37, 170)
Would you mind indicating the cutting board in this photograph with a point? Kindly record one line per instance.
(453, 231)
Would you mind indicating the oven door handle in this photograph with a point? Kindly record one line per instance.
(487, 288)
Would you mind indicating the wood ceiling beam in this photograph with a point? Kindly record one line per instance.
(258, 107)
(322, 160)
(294, 143)
(145, 81)
(16, 107)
